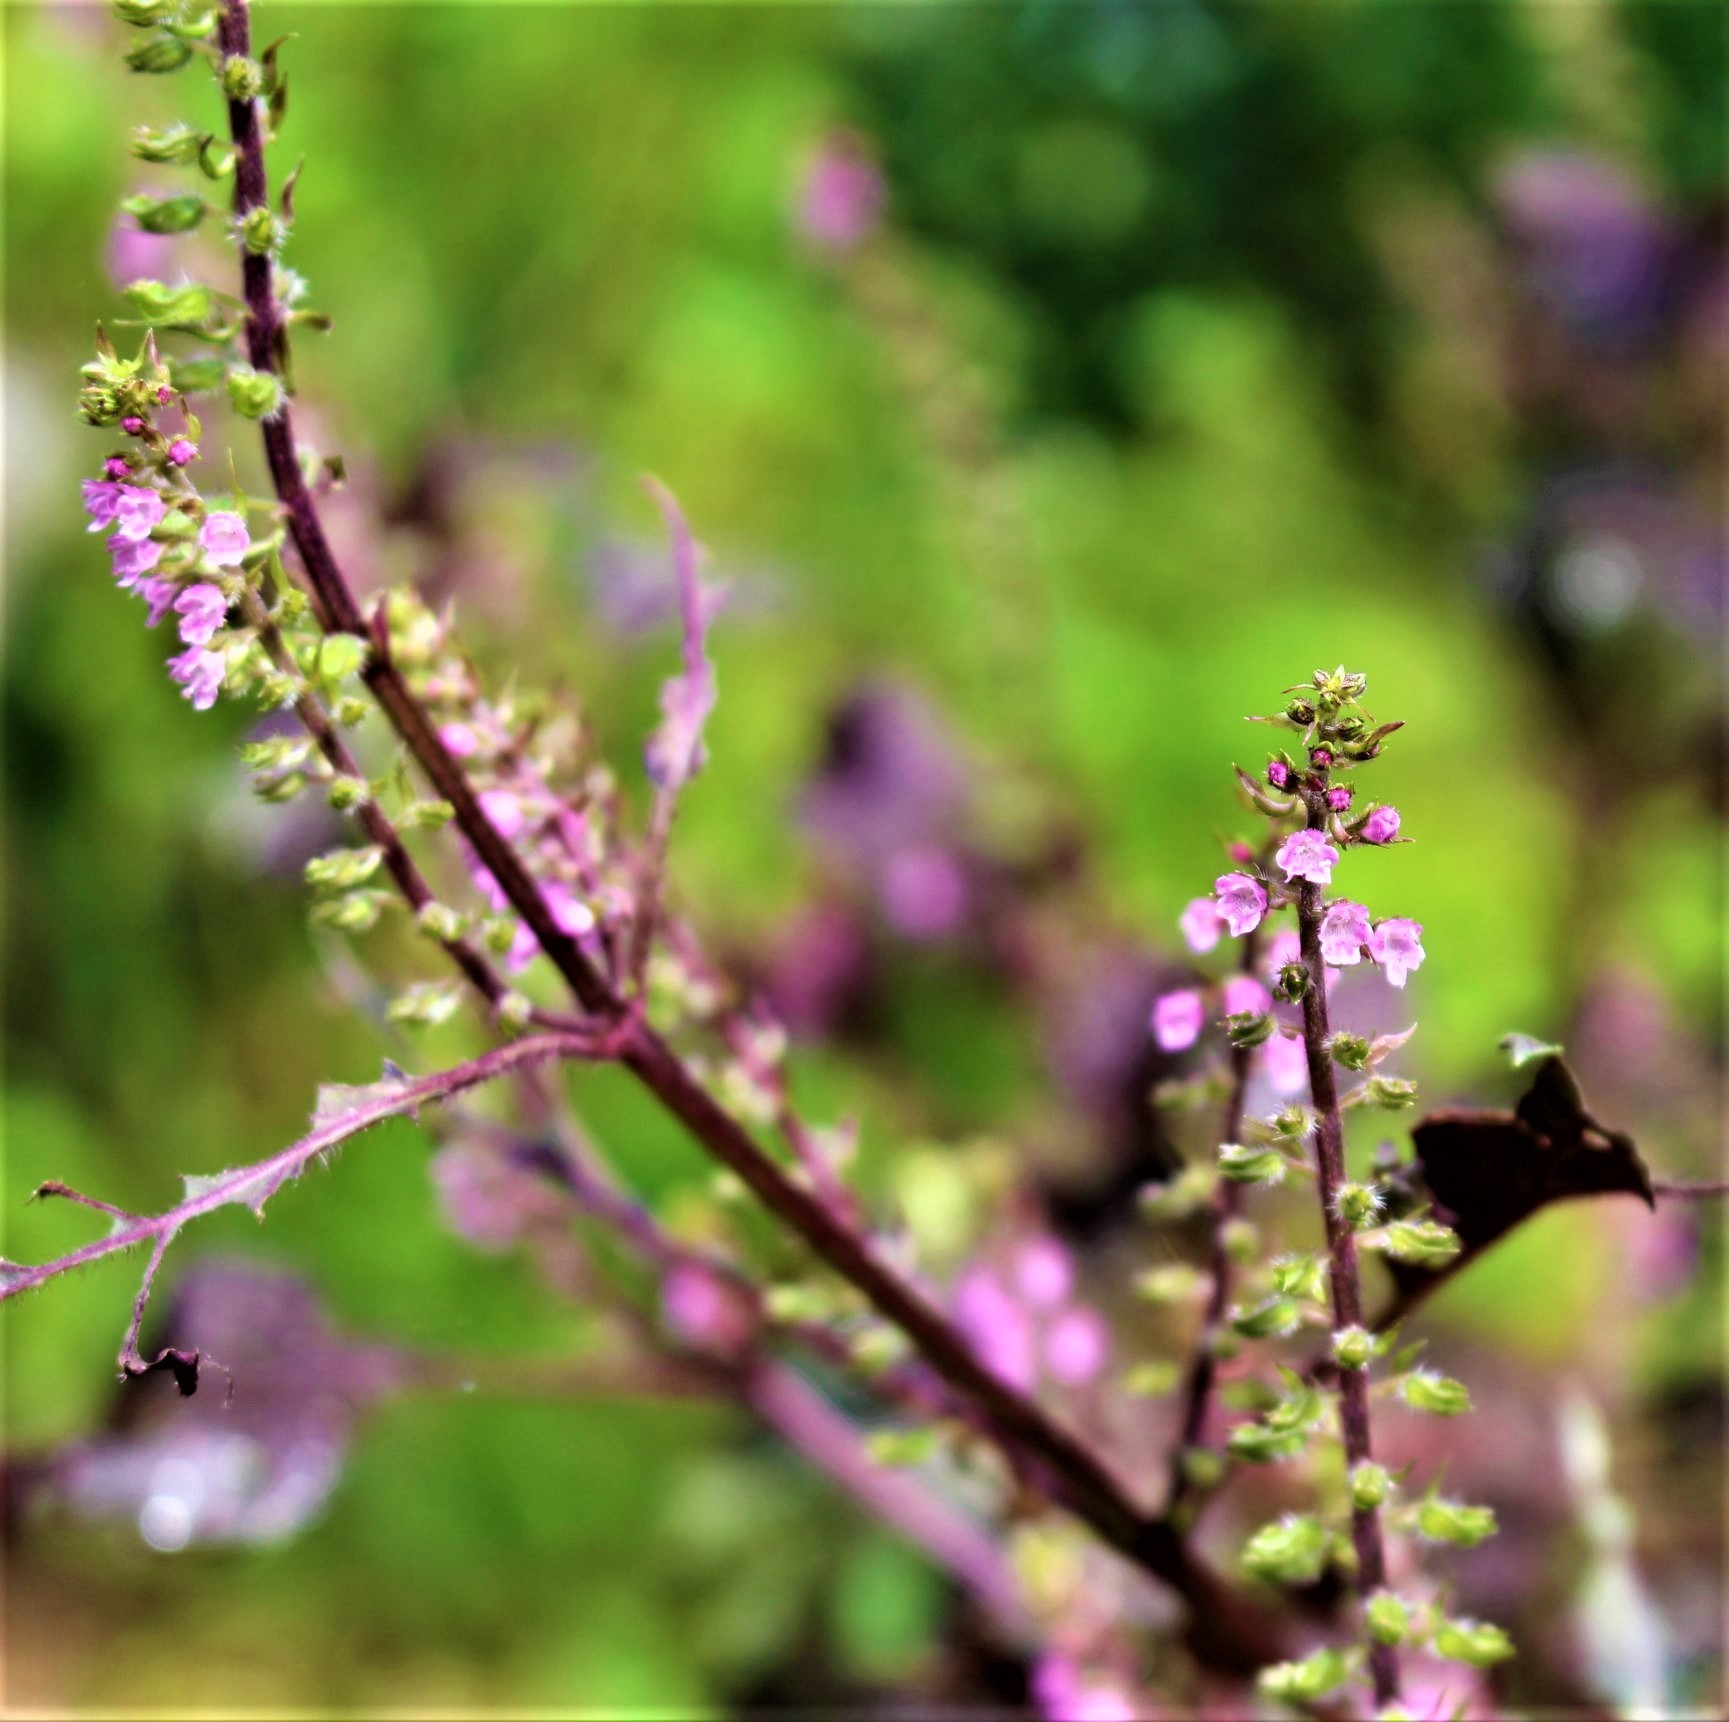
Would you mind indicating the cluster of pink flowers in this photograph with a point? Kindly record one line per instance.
(135, 511)
(1025, 1323)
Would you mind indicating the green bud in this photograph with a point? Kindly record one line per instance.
(1349, 1050)
(254, 394)
(1353, 1347)
(1390, 1093)
(426, 815)
(514, 1011)
(276, 690)
(280, 789)
(1202, 1467)
(1273, 1318)
(340, 656)
(175, 145)
(1152, 1380)
(1292, 983)
(165, 214)
(1388, 1617)
(348, 793)
(1424, 1390)
(1256, 1444)
(356, 913)
(242, 79)
(158, 54)
(1303, 1276)
(1452, 1522)
(262, 232)
(183, 307)
(1306, 1681)
(1422, 1241)
(1249, 1028)
(1176, 1282)
(277, 753)
(498, 934)
(1475, 1642)
(343, 869)
(1291, 1550)
(1358, 1205)
(195, 376)
(1241, 1241)
(427, 1003)
(440, 921)
(1251, 1165)
(1370, 1484)
(1301, 712)
(349, 710)
(1301, 1408)
(1293, 1122)
(142, 13)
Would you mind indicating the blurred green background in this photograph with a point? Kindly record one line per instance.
(1201, 346)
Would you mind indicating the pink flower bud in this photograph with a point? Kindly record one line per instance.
(1382, 825)
(1339, 797)
(116, 467)
(1320, 757)
(181, 452)
(164, 394)
(132, 425)
(1279, 774)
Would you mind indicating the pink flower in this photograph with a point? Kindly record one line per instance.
(101, 501)
(116, 467)
(1177, 1020)
(199, 672)
(1285, 1064)
(159, 594)
(1044, 1275)
(1244, 995)
(704, 1311)
(133, 558)
(1308, 855)
(1200, 923)
(924, 893)
(1320, 757)
(570, 914)
(1344, 931)
(1278, 774)
(1241, 901)
(181, 452)
(503, 807)
(224, 539)
(1393, 944)
(137, 511)
(1382, 825)
(1339, 797)
(164, 394)
(459, 740)
(998, 1327)
(202, 610)
(1077, 1346)
(132, 424)
(843, 194)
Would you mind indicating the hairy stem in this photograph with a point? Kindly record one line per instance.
(1341, 1255)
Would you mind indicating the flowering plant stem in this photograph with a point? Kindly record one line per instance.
(1224, 1629)
(1341, 1250)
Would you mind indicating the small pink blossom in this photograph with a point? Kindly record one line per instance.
(460, 742)
(138, 511)
(1077, 1346)
(181, 452)
(224, 539)
(704, 1311)
(1393, 944)
(117, 468)
(199, 672)
(159, 594)
(101, 501)
(503, 807)
(1382, 825)
(1285, 1064)
(133, 558)
(1245, 996)
(569, 913)
(1320, 757)
(132, 425)
(1000, 1330)
(202, 610)
(1308, 855)
(924, 893)
(1178, 1019)
(843, 194)
(1344, 931)
(1242, 902)
(1201, 924)
(1339, 797)
(164, 394)
(1044, 1275)
(1278, 774)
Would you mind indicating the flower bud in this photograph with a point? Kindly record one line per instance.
(347, 793)
(1425, 1242)
(242, 79)
(142, 13)
(1353, 1348)
(1452, 1522)
(254, 394)
(158, 54)
(1304, 1682)
(1390, 1093)
(1351, 1051)
(261, 232)
(1440, 1395)
(1247, 1165)
(1300, 712)
(174, 145)
(1291, 1550)
(1475, 1642)
(440, 921)
(1388, 1617)
(1370, 1484)
(1293, 1122)
(1249, 1028)
(165, 214)
(1292, 983)
(1321, 758)
(1272, 1318)
(1358, 1205)
(514, 1010)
